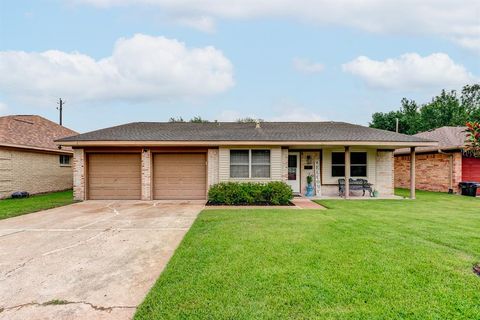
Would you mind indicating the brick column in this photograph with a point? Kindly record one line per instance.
(146, 174)
(385, 173)
(79, 174)
(212, 167)
(412, 173)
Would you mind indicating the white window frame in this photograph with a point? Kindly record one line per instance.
(249, 164)
(62, 156)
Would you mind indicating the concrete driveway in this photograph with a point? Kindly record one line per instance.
(90, 260)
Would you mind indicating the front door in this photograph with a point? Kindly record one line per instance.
(294, 171)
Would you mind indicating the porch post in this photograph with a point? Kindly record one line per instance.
(412, 173)
(347, 172)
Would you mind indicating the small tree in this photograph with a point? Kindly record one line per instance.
(473, 139)
(198, 119)
(179, 119)
(249, 120)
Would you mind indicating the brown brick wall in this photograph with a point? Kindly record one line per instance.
(33, 172)
(432, 171)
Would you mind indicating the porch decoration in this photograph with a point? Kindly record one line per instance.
(310, 187)
(318, 187)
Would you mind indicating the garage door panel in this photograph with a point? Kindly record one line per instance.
(179, 176)
(114, 176)
(471, 170)
(113, 181)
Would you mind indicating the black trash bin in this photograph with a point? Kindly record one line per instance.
(469, 188)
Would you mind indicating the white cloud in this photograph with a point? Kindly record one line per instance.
(470, 43)
(410, 71)
(203, 23)
(448, 18)
(306, 66)
(296, 114)
(141, 67)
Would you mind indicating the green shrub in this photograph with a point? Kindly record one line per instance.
(250, 193)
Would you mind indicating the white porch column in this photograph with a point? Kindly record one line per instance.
(146, 174)
(412, 173)
(347, 172)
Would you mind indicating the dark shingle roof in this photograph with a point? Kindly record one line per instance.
(232, 131)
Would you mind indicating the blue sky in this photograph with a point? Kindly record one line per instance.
(281, 60)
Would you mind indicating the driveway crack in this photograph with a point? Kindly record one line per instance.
(79, 243)
(57, 302)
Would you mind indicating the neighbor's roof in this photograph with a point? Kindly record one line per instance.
(31, 132)
(449, 138)
(247, 132)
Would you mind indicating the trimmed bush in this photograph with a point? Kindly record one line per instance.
(250, 193)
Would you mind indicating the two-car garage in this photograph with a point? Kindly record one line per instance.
(118, 176)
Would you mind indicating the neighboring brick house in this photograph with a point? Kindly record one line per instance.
(155, 160)
(441, 168)
(29, 159)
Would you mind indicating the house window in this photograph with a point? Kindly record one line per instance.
(249, 163)
(358, 164)
(338, 164)
(239, 163)
(64, 160)
(260, 163)
(358, 167)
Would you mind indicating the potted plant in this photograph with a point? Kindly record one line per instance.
(309, 186)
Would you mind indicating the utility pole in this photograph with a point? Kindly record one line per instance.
(396, 125)
(60, 108)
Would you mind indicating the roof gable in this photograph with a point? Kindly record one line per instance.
(31, 131)
(447, 137)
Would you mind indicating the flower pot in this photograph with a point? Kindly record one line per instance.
(309, 190)
(375, 194)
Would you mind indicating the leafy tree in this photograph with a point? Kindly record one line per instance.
(196, 119)
(473, 139)
(248, 120)
(446, 109)
(179, 119)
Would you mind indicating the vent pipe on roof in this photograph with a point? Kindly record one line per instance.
(257, 124)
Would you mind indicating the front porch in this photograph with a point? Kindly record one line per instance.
(326, 166)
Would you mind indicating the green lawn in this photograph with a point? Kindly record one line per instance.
(16, 207)
(382, 259)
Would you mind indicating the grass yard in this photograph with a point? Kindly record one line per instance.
(382, 259)
(16, 207)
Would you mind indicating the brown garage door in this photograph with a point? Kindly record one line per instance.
(114, 176)
(179, 176)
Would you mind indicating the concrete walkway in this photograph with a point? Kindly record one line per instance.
(305, 203)
(91, 260)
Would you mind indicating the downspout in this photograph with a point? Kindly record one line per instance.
(450, 174)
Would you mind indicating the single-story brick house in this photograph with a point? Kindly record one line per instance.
(439, 168)
(29, 158)
(149, 160)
